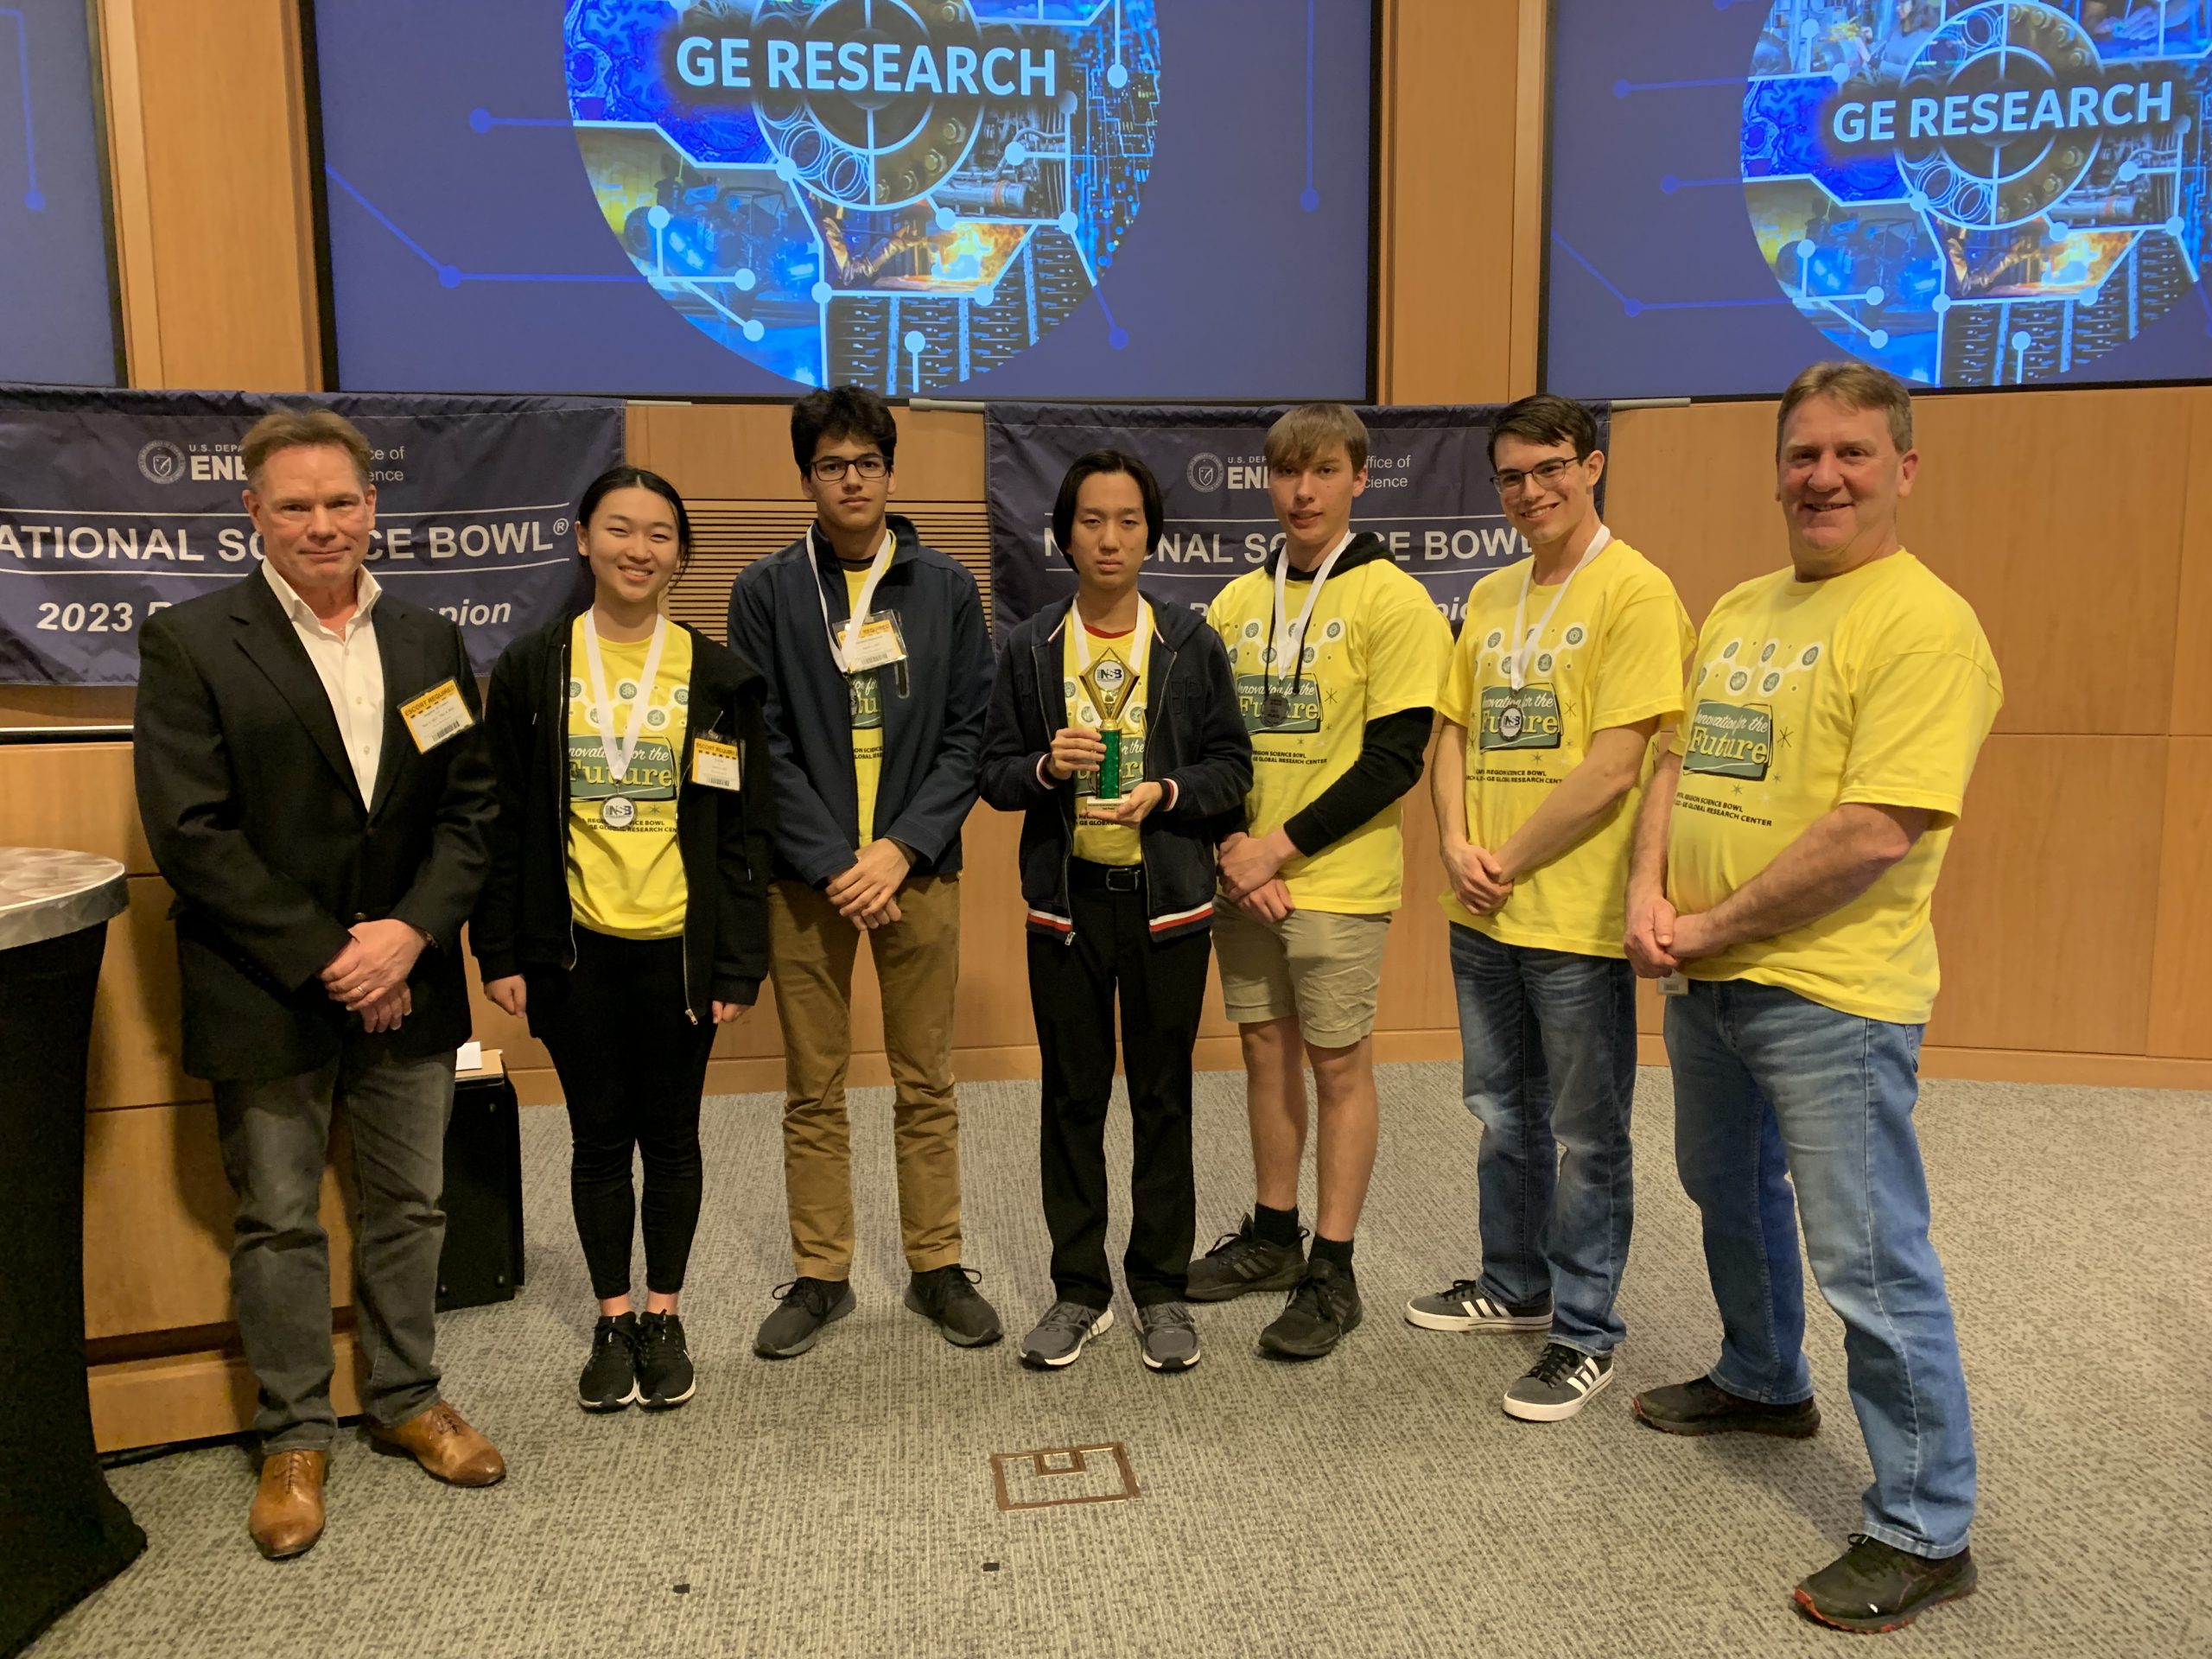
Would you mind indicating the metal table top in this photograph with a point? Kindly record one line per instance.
(47, 892)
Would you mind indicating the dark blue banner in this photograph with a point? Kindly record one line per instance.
(1428, 494)
(114, 504)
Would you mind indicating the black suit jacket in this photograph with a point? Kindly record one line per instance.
(255, 820)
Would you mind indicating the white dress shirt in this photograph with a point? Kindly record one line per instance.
(352, 672)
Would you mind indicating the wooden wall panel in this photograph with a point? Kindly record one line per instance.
(743, 452)
(138, 1052)
(2047, 909)
(2192, 691)
(74, 795)
(1694, 490)
(2181, 970)
(210, 159)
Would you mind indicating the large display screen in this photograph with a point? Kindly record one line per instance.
(1999, 193)
(58, 321)
(1097, 199)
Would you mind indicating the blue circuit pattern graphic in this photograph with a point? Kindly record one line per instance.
(1981, 192)
(899, 193)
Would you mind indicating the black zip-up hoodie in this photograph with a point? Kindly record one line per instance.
(1195, 744)
(525, 923)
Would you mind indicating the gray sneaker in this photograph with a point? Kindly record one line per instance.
(1461, 1305)
(1557, 1385)
(1171, 1340)
(1060, 1335)
(805, 1306)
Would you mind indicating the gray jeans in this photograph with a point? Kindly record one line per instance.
(275, 1133)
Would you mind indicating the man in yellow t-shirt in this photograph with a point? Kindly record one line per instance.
(1568, 662)
(1336, 654)
(1784, 861)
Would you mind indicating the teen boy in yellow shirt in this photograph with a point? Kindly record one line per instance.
(1568, 662)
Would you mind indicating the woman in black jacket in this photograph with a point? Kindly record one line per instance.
(625, 915)
(1119, 881)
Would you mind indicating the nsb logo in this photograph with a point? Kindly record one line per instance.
(1979, 194)
(900, 193)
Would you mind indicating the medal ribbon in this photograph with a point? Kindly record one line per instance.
(619, 752)
(1138, 652)
(1524, 643)
(1296, 636)
(841, 650)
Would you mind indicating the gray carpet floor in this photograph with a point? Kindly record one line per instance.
(1377, 1503)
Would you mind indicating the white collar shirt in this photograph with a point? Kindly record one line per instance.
(352, 672)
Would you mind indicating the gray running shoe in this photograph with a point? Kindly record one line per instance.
(1243, 1261)
(1060, 1337)
(1171, 1340)
(807, 1304)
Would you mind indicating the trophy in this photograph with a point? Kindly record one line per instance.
(1110, 682)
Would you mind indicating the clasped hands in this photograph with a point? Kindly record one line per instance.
(1660, 940)
(369, 976)
(866, 894)
(1478, 878)
(1080, 748)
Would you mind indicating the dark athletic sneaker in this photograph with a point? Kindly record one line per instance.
(1703, 1407)
(1243, 1261)
(807, 1305)
(946, 1297)
(666, 1379)
(610, 1378)
(1461, 1305)
(1873, 1587)
(1559, 1383)
(1060, 1337)
(1321, 1311)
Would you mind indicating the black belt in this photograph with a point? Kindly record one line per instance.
(1113, 878)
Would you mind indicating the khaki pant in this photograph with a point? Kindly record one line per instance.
(811, 948)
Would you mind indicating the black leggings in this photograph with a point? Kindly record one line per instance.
(632, 1067)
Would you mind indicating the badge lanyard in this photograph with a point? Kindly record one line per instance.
(1517, 658)
(617, 811)
(1297, 633)
(839, 649)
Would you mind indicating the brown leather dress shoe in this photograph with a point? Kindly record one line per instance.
(441, 1439)
(286, 1514)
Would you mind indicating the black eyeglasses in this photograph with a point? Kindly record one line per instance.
(1546, 473)
(830, 468)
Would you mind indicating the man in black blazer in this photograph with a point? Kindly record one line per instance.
(312, 776)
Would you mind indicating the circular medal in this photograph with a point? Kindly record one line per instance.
(617, 811)
(1275, 709)
(1509, 721)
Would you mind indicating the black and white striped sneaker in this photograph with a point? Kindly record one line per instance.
(1557, 1385)
(1462, 1306)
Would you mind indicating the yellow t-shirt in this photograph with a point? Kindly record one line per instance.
(627, 879)
(1105, 844)
(1377, 646)
(1876, 687)
(1612, 655)
(867, 689)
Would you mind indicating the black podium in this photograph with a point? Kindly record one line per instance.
(62, 1533)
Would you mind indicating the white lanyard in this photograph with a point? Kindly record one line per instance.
(1524, 643)
(842, 649)
(1296, 638)
(1138, 652)
(620, 750)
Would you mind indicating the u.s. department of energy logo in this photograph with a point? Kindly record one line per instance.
(903, 193)
(161, 463)
(1981, 192)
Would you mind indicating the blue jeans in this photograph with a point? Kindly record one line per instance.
(1768, 1085)
(1548, 1045)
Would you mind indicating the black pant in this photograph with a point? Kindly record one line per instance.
(634, 1068)
(1072, 984)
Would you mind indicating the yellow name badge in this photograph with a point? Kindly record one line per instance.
(440, 713)
(881, 643)
(714, 764)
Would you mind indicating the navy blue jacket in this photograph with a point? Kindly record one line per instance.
(933, 703)
(1195, 741)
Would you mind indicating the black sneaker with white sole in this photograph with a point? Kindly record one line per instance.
(610, 1378)
(1557, 1385)
(1242, 1261)
(805, 1306)
(1874, 1586)
(1060, 1337)
(1461, 1305)
(665, 1377)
